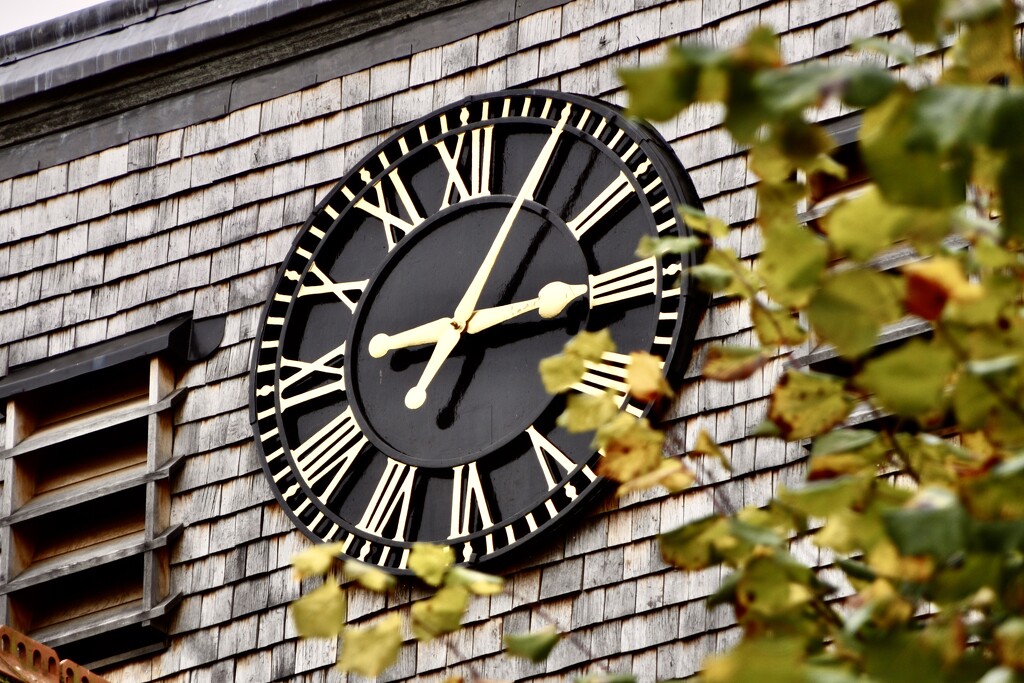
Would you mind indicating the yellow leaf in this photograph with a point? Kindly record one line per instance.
(431, 562)
(560, 372)
(806, 404)
(369, 577)
(707, 446)
(671, 473)
(440, 614)
(631, 448)
(931, 283)
(476, 582)
(321, 613)
(316, 561)
(732, 363)
(368, 651)
(590, 345)
(585, 413)
(644, 377)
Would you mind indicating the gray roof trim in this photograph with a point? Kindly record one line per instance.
(224, 78)
(122, 32)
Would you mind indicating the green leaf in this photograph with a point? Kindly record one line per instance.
(1011, 188)
(691, 546)
(851, 307)
(534, 646)
(431, 562)
(932, 524)
(712, 278)
(777, 326)
(865, 225)
(791, 264)
(732, 363)
(585, 413)
(805, 404)
(316, 561)
(659, 246)
(320, 613)
(974, 402)
(720, 262)
(822, 498)
(912, 175)
(911, 379)
(440, 614)
(369, 577)
(948, 118)
(887, 47)
(920, 18)
(758, 660)
(368, 651)
(843, 441)
(477, 583)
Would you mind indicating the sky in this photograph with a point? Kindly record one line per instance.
(20, 13)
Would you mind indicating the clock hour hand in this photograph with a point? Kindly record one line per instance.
(428, 333)
(551, 300)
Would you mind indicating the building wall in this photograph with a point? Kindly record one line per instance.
(198, 218)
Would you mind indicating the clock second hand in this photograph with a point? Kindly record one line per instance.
(550, 301)
(418, 394)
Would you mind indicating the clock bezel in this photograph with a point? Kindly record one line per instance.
(691, 304)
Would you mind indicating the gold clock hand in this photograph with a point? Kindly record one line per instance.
(428, 333)
(417, 396)
(476, 287)
(552, 300)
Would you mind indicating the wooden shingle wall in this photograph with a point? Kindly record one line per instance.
(198, 219)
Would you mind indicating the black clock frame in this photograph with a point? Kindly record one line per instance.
(690, 308)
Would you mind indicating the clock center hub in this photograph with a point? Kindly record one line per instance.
(487, 391)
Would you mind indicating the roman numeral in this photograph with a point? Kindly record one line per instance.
(325, 364)
(395, 227)
(628, 282)
(332, 449)
(607, 376)
(467, 496)
(610, 197)
(342, 290)
(392, 496)
(481, 146)
(544, 449)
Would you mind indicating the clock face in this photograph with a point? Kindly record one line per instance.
(395, 392)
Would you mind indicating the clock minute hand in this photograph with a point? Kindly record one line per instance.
(476, 287)
(552, 300)
(417, 396)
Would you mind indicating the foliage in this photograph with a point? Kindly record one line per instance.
(922, 511)
(920, 506)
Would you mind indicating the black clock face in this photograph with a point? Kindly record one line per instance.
(396, 397)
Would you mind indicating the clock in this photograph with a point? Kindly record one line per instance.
(396, 397)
